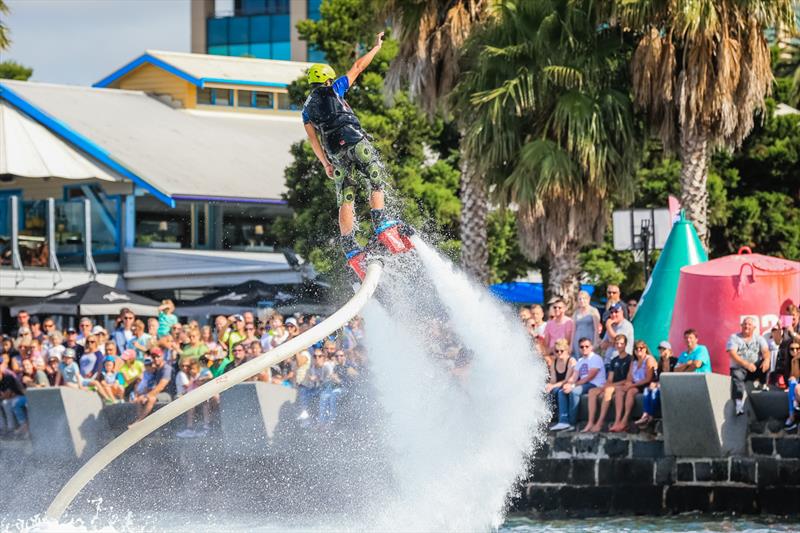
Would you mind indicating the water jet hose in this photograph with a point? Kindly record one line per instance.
(197, 396)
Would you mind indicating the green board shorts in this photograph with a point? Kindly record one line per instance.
(352, 165)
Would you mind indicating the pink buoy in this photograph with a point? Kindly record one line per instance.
(714, 297)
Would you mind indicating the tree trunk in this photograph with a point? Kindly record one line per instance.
(694, 177)
(474, 209)
(564, 274)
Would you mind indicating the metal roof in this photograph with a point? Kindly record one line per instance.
(200, 69)
(173, 153)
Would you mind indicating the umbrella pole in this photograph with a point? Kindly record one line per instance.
(176, 408)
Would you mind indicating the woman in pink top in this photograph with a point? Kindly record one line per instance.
(559, 327)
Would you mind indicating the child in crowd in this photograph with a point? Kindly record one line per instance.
(111, 381)
(166, 317)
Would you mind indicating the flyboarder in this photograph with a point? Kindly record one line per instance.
(344, 149)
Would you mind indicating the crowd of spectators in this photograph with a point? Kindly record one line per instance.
(147, 361)
(595, 353)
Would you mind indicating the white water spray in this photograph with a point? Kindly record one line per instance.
(458, 443)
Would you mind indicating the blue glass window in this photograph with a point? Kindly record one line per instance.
(238, 50)
(281, 29)
(251, 7)
(261, 50)
(239, 30)
(259, 29)
(217, 31)
(313, 9)
(282, 50)
(315, 56)
(218, 50)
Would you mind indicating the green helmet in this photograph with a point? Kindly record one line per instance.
(320, 73)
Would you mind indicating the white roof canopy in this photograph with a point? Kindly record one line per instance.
(29, 150)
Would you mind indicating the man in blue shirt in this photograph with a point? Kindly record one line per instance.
(342, 146)
(695, 358)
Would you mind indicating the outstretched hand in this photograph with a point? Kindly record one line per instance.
(379, 40)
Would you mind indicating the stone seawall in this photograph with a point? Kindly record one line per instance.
(586, 475)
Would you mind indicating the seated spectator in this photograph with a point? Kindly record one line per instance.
(276, 334)
(652, 394)
(162, 376)
(219, 361)
(132, 371)
(31, 377)
(560, 370)
(102, 338)
(70, 372)
(53, 370)
(24, 337)
(182, 378)
(793, 391)
(589, 372)
(14, 403)
(749, 361)
(72, 342)
(166, 317)
(196, 347)
(250, 334)
(55, 345)
(9, 348)
(695, 358)
(92, 360)
(206, 334)
(110, 380)
(773, 338)
(640, 375)
(240, 352)
(524, 314)
(111, 349)
(616, 324)
(616, 376)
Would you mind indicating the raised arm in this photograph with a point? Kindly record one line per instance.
(364, 61)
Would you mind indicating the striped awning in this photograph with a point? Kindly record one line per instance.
(29, 150)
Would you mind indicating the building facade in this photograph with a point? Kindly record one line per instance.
(264, 29)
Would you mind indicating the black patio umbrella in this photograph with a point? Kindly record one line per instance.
(91, 298)
(250, 295)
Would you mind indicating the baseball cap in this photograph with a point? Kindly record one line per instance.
(238, 318)
(128, 355)
(109, 358)
(148, 360)
(98, 329)
(69, 352)
(71, 331)
(291, 321)
(665, 345)
(33, 320)
(156, 351)
(616, 307)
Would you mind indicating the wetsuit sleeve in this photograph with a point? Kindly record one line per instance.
(341, 85)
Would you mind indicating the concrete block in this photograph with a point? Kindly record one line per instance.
(665, 468)
(789, 472)
(762, 445)
(685, 472)
(779, 500)
(550, 471)
(788, 448)
(767, 472)
(66, 423)
(625, 471)
(719, 470)
(743, 470)
(687, 498)
(770, 404)
(637, 500)
(255, 416)
(616, 447)
(699, 416)
(587, 445)
(583, 471)
(652, 449)
(734, 499)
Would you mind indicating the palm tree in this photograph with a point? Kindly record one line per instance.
(701, 71)
(4, 40)
(549, 120)
(432, 34)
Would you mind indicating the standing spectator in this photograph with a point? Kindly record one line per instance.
(249, 318)
(102, 338)
(195, 349)
(206, 334)
(162, 377)
(220, 326)
(560, 327)
(652, 394)
(639, 377)
(587, 322)
(183, 379)
(304, 382)
(524, 314)
(276, 334)
(330, 387)
(616, 324)
(749, 356)
(632, 307)
(140, 341)
(589, 373)
(234, 334)
(36, 329)
(613, 298)
(166, 317)
(695, 358)
(14, 402)
(346, 371)
(72, 342)
(773, 338)
(239, 357)
(198, 375)
(23, 320)
(85, 326)
(560, 370)
(250, 334)
(793, 390)
(123, 331)
(49, 327)
(219, 361)
(8, 347)
(56, 345)
(790, 332)
(616, 376)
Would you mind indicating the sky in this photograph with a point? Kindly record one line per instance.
(79, 42)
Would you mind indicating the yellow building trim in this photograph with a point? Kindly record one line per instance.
(152, 79)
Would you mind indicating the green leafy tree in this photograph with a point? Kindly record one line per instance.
(551, 125)
(4, 39)
(11, 70)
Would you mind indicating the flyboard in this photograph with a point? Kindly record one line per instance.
(372, 274)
